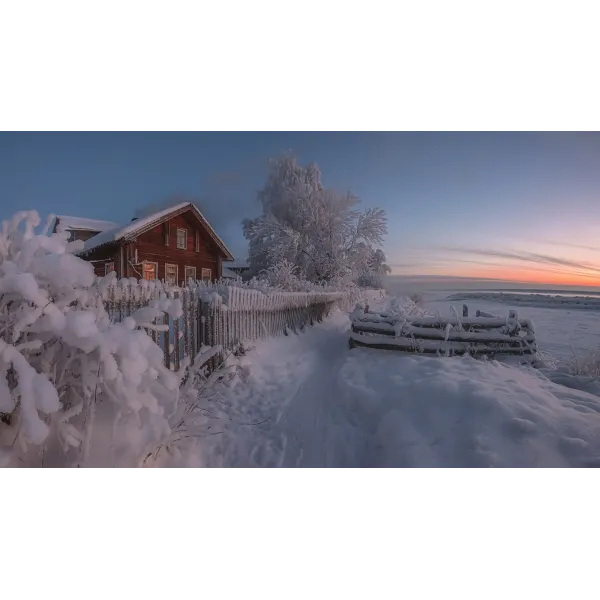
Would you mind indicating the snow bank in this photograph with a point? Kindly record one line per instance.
(460, 412)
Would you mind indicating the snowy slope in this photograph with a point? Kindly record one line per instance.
(309, 401)
(460, 412)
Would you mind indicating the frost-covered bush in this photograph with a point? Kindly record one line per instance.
(587, 365)
(284, 276)
(200, 412)
(62, 359)
(403, 307)
(418, 299)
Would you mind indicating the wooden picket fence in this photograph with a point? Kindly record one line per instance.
(205, 322)
(483, 334)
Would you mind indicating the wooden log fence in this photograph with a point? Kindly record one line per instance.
(482, 334)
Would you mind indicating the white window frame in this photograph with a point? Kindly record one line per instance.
(185, 270)
(149, 262)
(106, 265)
(184, 247)
(203, 273)
(167, 265)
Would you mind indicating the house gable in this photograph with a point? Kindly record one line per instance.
(159, 246)
(192, 218)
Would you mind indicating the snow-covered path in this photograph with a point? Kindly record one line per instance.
(309, 401)
(315, 421)
(288, 410)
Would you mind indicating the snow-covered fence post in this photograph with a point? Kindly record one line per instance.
(244, 311)
(185, 302)
(260, 319)
(234, 305)
(253, 328)
(214, 328)
(176, 337)
(203, 337)
(248, 310)
(231, 342)
(193, 324)
(200, 331)
(155, 332)
(166, 341)
(225, 317)
(129, 299)
(249, 305)
(210, 325)
(236, 312)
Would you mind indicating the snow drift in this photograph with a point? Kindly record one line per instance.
(461, 412)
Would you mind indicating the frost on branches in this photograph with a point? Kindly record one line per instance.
(62, 359)
(316, 230)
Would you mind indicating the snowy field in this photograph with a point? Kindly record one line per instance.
(308, 401)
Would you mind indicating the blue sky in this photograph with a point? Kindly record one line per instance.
(520, 206)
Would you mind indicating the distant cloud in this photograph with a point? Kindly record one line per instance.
(528, 257)
(568, 245)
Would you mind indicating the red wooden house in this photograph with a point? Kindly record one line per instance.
(174, 245)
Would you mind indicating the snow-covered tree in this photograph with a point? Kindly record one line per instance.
(317, 230)
(376, 270)
(61, 356)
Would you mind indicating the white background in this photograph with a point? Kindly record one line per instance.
(298, 66)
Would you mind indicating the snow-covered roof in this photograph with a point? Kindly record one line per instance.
(132, 228)
(238, 264)
(229, 274)
(82, 224)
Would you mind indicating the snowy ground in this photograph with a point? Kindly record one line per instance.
(309, 401)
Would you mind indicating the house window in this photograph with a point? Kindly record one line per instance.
(109, 267)
(206, 274)
(150, 270)
(182, 238)
(190, 273)
(171, 274)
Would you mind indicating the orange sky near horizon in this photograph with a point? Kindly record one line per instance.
(532, 276)
(569, 262)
